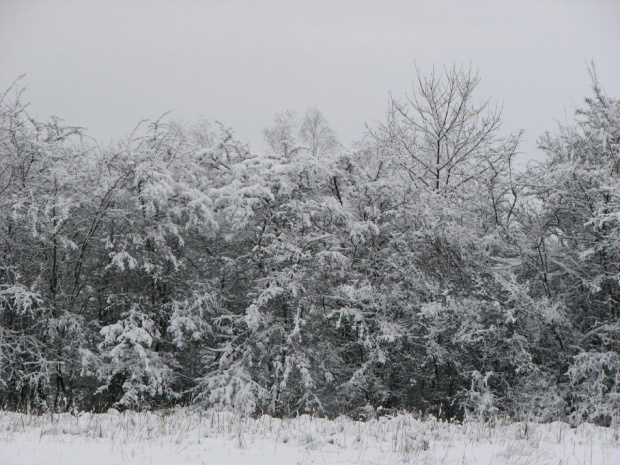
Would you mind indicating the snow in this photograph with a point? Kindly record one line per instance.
(217, 437)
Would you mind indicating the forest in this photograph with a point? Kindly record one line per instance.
(418, 269)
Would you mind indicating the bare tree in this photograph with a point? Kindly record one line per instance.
(281, 135)
(439, 135)
(316, 133)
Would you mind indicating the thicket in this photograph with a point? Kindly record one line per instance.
(416, 269)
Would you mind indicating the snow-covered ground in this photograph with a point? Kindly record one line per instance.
(211, 437)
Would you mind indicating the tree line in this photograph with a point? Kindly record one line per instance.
(416, 269)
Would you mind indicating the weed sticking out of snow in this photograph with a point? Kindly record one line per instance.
(223, 437)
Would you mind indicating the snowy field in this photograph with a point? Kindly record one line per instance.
(182, 437)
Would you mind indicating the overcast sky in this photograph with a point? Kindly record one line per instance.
(108, 64)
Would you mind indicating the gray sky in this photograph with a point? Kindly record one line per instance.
(108, 64)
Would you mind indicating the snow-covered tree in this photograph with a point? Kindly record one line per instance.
(574, 244)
